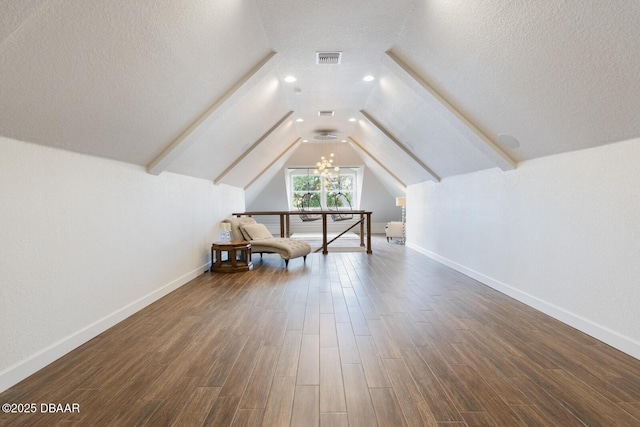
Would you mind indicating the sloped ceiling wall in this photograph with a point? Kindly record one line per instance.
(197, 87)
(559, 76)
(121, 79)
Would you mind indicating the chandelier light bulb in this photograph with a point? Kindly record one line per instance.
(326, 168)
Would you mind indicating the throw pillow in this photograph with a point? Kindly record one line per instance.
(256, 231)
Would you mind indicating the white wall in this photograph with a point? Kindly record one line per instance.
(560, 233)
(86, 242)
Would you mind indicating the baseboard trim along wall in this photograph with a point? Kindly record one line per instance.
(604, 334)
(14, 374)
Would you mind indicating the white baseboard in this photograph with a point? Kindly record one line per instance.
(16, 373)
(602, 333)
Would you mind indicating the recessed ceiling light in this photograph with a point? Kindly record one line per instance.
(344, 140)
(299, 120)
(305, 140)
(352, 119)
(289, 79)
(368, 78)
(508, 141)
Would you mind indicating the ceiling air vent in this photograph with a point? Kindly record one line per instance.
(324, 58)
(326, 113)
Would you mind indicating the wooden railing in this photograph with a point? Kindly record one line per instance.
(285, 224)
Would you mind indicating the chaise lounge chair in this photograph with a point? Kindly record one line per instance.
(262, 241)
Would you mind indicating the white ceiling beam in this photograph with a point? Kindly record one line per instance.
(222, 105)
(363, 150)
(470, 131)
(400, 145)
(253, 146)
(276, 160)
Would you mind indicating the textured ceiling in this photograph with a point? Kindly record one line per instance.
(197, 87)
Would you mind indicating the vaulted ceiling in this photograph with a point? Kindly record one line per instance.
(198, 87)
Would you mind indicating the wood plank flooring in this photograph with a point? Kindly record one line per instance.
(347, 339)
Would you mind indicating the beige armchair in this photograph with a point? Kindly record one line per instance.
(394, 229)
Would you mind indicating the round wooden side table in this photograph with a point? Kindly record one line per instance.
(238, 257)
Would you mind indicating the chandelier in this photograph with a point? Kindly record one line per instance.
(325, 167)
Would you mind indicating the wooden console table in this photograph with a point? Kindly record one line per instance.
(238, 257)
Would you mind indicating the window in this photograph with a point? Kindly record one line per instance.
(314, 192)
(307, 191)
(341, 192)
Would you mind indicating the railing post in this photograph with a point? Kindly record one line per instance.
(288, 227)
(324, 234)
(362, 229)
(369, 251)
(281, 225)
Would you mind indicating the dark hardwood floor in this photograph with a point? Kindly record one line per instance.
(349, 339)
